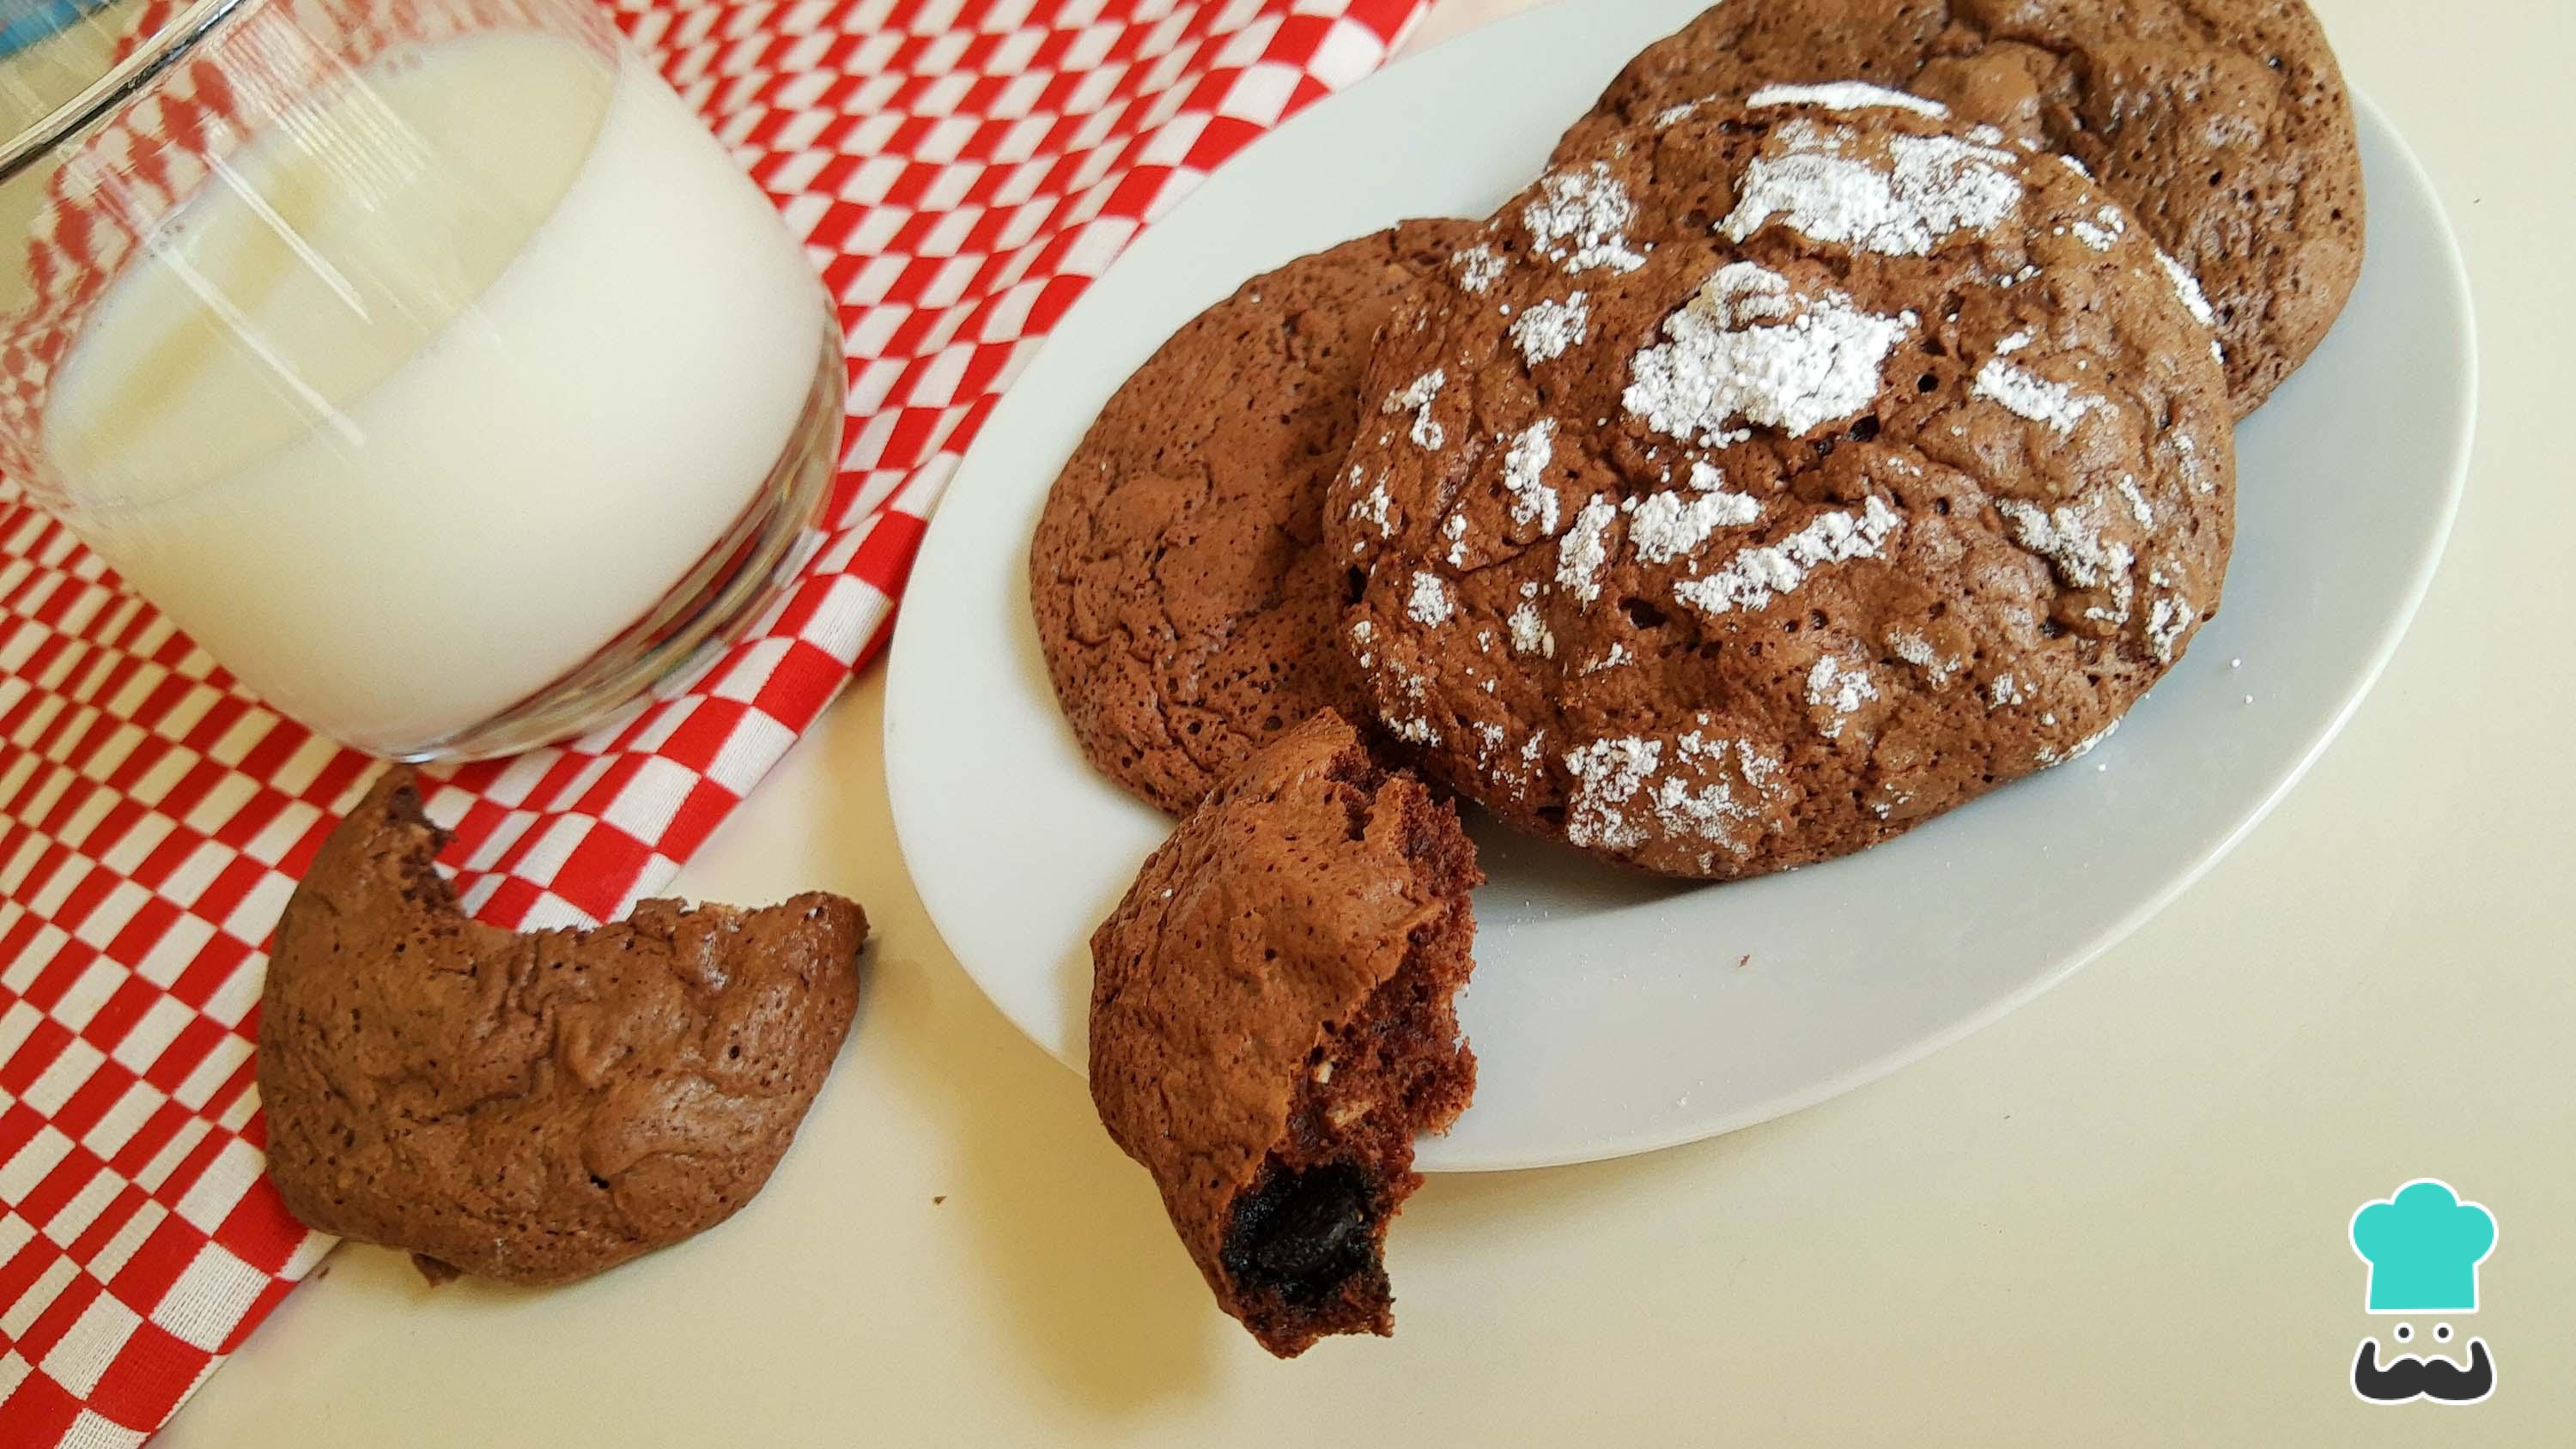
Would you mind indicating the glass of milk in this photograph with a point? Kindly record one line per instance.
(426, 361)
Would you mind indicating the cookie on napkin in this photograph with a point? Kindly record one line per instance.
(533, 1107)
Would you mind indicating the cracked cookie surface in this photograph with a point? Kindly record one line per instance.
(1779, 477)
(2221, 125)
(1183, 602)
(540, 1106)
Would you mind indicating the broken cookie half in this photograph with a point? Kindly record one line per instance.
(542, 1106)
(1272, 1024)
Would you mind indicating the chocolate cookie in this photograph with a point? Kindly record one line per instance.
(1271, 1026)
(1182, 603)
(2221, 125)
(536, 1107)
(1780, 478)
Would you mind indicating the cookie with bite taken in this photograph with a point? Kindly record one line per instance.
(1272, 1023)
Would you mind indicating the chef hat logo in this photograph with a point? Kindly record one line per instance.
(2423, 1246)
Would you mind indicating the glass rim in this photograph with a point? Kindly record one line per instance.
(116, 85)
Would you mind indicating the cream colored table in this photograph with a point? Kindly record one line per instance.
(2117, 1217)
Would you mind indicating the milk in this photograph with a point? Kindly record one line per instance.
(449, 390)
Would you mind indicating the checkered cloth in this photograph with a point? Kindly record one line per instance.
(961, 169)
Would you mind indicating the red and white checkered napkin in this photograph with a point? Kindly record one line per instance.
(963, 168)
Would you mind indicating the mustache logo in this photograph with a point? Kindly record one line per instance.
(2410, 1377)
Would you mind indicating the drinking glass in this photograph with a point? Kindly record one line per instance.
(426, 361)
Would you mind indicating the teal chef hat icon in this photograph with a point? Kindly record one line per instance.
(2423, 1246)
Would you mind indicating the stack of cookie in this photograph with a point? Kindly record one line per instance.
(1839, 429)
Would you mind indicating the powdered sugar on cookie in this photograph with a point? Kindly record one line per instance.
(1667, 525)
(2028, 395)
(1580, 220)
(1607, 775)
(1755, 576)
(1916, 650)
(1530, 634)
(1525, 476)
(2102, 231)
(1429, 603)
(2050, 755)
(1417, 399)
(1837, 690)
(1748, 347)
(2069, 537)
(1478, 268)
(1903, 202)
(1374, 508)
(1846, 96)
(1547, 329)
(1585, 547)
(2187, 287)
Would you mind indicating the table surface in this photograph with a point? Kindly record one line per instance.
(2125, 1204)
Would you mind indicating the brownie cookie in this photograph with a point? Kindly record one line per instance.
(534, 1107)
(1271, 1026)
(2221, 125)
(1182, 601)
(1780, 478)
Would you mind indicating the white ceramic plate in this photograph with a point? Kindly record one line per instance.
(1609, 1013)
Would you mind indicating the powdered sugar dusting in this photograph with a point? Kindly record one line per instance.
(1916, 650)
(2187, 287)
(1624, 785)
(2138, 508)
(2005, 690)
(1839, 690)
(1580, 220)
(2028, 395)
(1616, 655)
(1846, 96)
(2050, 755)
(2189, 451)
(1417, 398)
(1925, 189)
(1607, 775)
(1667, 525)
(1585, 547)
(1525, 476)
(2167, 618)
(1747, 346)
(1754, 576)
(1710, 812)
(1374, 508)
(1530, 634)
(1414, 728)
(1547, 329)
(2069, 537)
(2104, 229)
(1478, 268)
(1429, 603)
